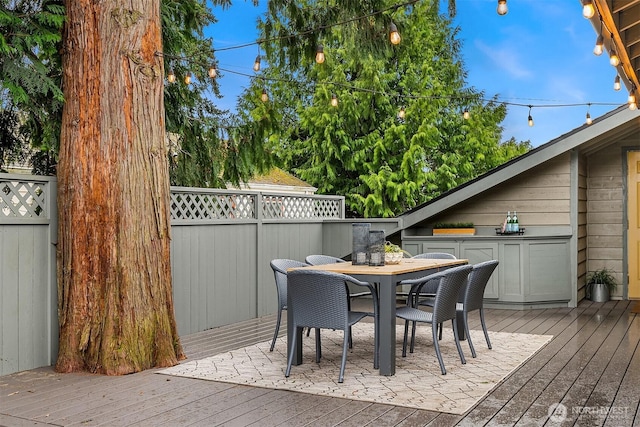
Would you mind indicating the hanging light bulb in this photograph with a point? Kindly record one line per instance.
(599, 47)
(402, 113)
(616, 83)
(171, 76)
(502, 7)
(265, 96)
(187, 78)
(588, 10)
(320, 54)
(588, 120)
(394, 35)
(633, 106)
(613, 56)
(256, 64)
(632, 97)
(213, 72)
(334, 100)
(530, 119)
(466, 114)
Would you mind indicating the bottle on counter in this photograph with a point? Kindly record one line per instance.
(509, 224)
(515, 226)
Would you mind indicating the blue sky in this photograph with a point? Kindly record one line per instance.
(539, 53)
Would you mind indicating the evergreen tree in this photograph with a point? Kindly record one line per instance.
(382, 164)
(30, 75)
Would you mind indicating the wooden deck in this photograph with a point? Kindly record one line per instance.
(592, 366)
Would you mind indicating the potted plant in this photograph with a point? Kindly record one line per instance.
(393, 254)
(459, 228)
(600, 284)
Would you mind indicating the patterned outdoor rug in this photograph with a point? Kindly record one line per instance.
(418, 382)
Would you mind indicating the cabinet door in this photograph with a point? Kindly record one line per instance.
(477, 252)
(547, 270)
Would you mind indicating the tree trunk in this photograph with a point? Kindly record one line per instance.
(115, 301)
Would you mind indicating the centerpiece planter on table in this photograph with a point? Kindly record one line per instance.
(393, 254)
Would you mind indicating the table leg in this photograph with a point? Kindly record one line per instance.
(387, 331)
(297, 359)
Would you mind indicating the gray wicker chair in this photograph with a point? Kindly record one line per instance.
(319, 300)
(429, 291)
(322, 259)
(449, 282)
(471, 299)
(280, 267)
(435, 255)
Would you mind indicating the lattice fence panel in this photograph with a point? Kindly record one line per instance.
(300, 207)
(23, 199)
(212, 206)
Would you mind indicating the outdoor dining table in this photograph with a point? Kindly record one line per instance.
(387, 277)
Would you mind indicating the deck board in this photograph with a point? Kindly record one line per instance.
(593, 361)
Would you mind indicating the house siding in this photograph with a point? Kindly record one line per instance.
(541, 197)
(606, 204)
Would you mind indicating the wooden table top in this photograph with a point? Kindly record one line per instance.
(407, 265)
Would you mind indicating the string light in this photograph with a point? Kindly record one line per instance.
(394, 35)
(256, 64)
(187, 78)
(613, 56)
(502, 7)
(213, 72)
(171, 76)
(320, 54)
(599, 47)
(588, 120)
(588, 10)
(465, 114)
(616, 83)
(400, 97)
(632, 99)
(334, 100)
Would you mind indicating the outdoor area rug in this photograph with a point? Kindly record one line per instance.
(418, 382)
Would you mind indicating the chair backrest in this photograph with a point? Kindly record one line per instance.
(318, 299)
(476, 283)
(435, 255)
(322, 259)
(451, 282)
(280, 267)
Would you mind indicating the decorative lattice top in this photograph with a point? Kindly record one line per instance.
(27, 199)
(212, 206)
(215, 205)
(20, 199)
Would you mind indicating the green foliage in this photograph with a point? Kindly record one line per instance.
(453, 225)
(361, 150)
(30, 75)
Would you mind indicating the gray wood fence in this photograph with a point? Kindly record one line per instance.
(222, 242)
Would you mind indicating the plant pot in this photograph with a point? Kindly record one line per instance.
(599, 292)
(454, 231)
